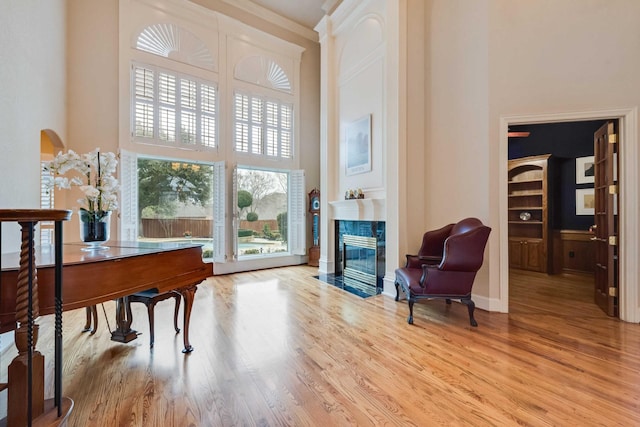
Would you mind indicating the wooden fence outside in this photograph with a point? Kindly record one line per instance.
(176, 227)
(196, 227)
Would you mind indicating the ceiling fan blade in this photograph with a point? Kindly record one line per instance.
(518, 134)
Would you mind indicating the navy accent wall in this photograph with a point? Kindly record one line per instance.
(565, 142)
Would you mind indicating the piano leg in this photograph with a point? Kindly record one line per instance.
(123, 331)
(92, 318)
(188, 294)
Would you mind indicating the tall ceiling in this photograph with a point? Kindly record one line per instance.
(305, 12)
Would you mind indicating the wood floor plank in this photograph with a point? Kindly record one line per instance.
(280, 348)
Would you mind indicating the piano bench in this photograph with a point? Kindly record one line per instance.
(150, 298)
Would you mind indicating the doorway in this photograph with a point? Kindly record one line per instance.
(628, 291)
(551, 214)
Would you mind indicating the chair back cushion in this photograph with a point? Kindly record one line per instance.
(465, 225)
(464, 249)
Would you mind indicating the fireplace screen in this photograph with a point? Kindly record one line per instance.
(359, 259)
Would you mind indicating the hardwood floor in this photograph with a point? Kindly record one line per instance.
(280, 348)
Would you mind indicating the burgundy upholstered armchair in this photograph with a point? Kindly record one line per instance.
(446, 265)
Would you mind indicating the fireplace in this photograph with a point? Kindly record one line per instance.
(360, 254)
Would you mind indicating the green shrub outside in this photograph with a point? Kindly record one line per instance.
(243, 232)
(282, 225)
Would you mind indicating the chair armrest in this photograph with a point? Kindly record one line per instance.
(412, 261)
(416, 261)
(425, 272)
(430, 259)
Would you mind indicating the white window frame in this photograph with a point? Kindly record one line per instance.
(200, 113)
(129, 201)
(296, 211)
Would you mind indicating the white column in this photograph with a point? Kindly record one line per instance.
(329, 144)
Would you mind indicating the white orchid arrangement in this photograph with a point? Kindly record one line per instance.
(96, 180)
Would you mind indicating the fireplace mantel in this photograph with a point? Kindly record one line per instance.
(359, 210)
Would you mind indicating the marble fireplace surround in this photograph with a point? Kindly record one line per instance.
(364, 218)
(359, 210)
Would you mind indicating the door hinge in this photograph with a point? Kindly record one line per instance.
(613, 138)
(613, 189)
(613, 292)
(613, 240)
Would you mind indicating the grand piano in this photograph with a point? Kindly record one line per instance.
(86, 278)
(92, 277)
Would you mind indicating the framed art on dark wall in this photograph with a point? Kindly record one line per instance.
(585, 170)
(585, 201)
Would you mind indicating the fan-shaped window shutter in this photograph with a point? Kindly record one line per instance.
(175, 43)
(219, 212)
(263, 72)
(128, 196)
(297, 213)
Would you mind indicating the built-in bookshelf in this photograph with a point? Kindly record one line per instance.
(528, 213)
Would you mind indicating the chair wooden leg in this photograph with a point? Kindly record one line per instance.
(397, 292)
(410, 318)
(448, 301)
(177, 297)
(471, 307)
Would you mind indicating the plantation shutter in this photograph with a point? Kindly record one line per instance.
(219, 212)
(234, 209)
(46, 202)
(128, 196)
(297, 213)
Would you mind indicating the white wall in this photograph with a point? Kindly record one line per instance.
(32, 84)
(457, 154)
(495, 58)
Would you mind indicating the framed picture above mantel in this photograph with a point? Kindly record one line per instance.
(357, 140)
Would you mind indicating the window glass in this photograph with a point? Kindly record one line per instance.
(262, 203)
(175, 202)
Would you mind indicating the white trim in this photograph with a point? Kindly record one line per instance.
(235, 216)
(629, 164)
(128, 225)
(219, 212)
(297, 213)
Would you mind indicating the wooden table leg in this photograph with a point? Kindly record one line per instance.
(26, 371)
(188, 294)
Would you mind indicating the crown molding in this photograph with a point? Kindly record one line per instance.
(274, 18)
